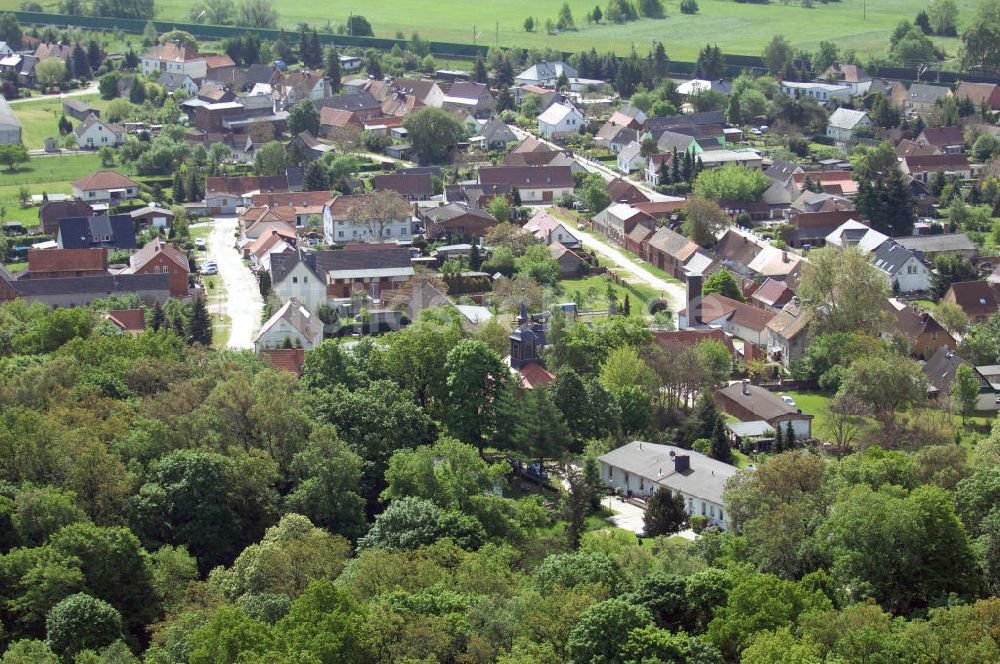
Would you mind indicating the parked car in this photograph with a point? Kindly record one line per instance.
(787, 399)
(199, 243)
(208, 267)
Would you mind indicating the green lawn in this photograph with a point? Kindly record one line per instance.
(40, 118)
(861, 25)
(593, 293)
(817, 405)
(53, 175)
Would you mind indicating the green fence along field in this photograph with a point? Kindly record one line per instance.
(736, 27)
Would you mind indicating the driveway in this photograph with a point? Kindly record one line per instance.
(631, 517)
(243, 304)
(634, 271)
(91, 89)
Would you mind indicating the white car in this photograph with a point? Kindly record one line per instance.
(790, 401)
(208, 268)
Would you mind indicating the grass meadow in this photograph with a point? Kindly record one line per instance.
(736, 27)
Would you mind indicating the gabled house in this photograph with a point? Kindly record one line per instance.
(640, 469)
(560, 119)
(79, 110)
(46, 50)
(411, 186)
(923, 99)
(622, 190)
(174, 58)
(550, 230)
(67, 263)
(456, 220)
(304, 143)
(260, 251)
(224, 194)
(570, 263)
(772, 295)
(980, 94)
(738, 319)
(940, 370)
(94, 133)
(924, 167)
(300, 275)
(292, 87)
(159, 257)
(291, 325)
(628, 116)
(630, 158)
(924, 334)
(752, 403)
(904, 269)
(496, 135)
(618, 220)
(788, 334)
(128, 321)
(473, 98)
(340, 226)
(371, 270)
(115, 233)
(256, 222)
(545, 74)
(50, 214)
(152, 215)
(844, 122)
(947, 244)
(852, 76)
(672, 252)
(541, 184)
(173, 81)
(105, 187)
(615, 137)
(296, 207)
(821, 92)
(944, 140)
(978, 299)
(477, 195)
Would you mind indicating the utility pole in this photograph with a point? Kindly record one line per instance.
(498, 34)
(473, 36)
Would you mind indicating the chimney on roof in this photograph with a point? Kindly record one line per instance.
(745, 387)
(694, 280)
(784, 256)
(682, 463)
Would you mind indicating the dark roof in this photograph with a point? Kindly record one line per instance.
(975, 297)
(936, 243)
(702, 118)
(764, 405)
(942, 136)
(407, 184)
(80, 232)
(50, 213)
(362, 101)
(890, 257)
(236, 186)
(620, 190)
(366, 259)
(258, 73)
(913, 322)
(922, 93)
(932, 162)
(455, 210)
(940, 369)
(282, 264)
(97, 285)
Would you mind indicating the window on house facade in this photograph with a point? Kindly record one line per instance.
(703, 508)
(295, 280)
(611, 472)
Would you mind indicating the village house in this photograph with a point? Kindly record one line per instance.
(630, 158)
(52, 212)
(66, 263)
(457, 221)
(640, 469)
(615, 137)
(174, 58)
(370, 270)
(115, 232)
(618, 220)
(920, 98)
(159, 257)
(982, 95)
(74, 291)
(128, 321)
(752, 403)
(903, 268)
(224, 194)
(536, 185)
(560, 119)
(173, 81)
(550, 230)
(260, 251)
(978, 299)
(78, 110)
(844, 122)
(93, 133)
(735, 318)
(290, 88)
(291, 360)
(152, 215)
(307, 145)
(821, 92)
(933, 246)
(106, 187)
(545, 74)
(924, 334)
(292, 325)
(944, 140)
(676, 255)
(297, 207)
(496, 135)
(788, 334)
(772, 295)
(340, 226)
(257, 222)
(473, 98)
(477, 195)
(571, 265)
(853, 76)
(411, 186)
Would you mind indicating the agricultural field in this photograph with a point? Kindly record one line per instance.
(737, 27)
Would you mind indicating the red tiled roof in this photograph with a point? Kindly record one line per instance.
(236, 186)
(151, 249)
(407, 184)
(104, 180)
(286, 359)
(335, 117)
(773, 293)
(129, 320)
(173, 53)
(932, 162)
(715, 306)
(659, 209)
(526, 177)
(533, 375)
(67, 260)
(692, 338)
(219, 61)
